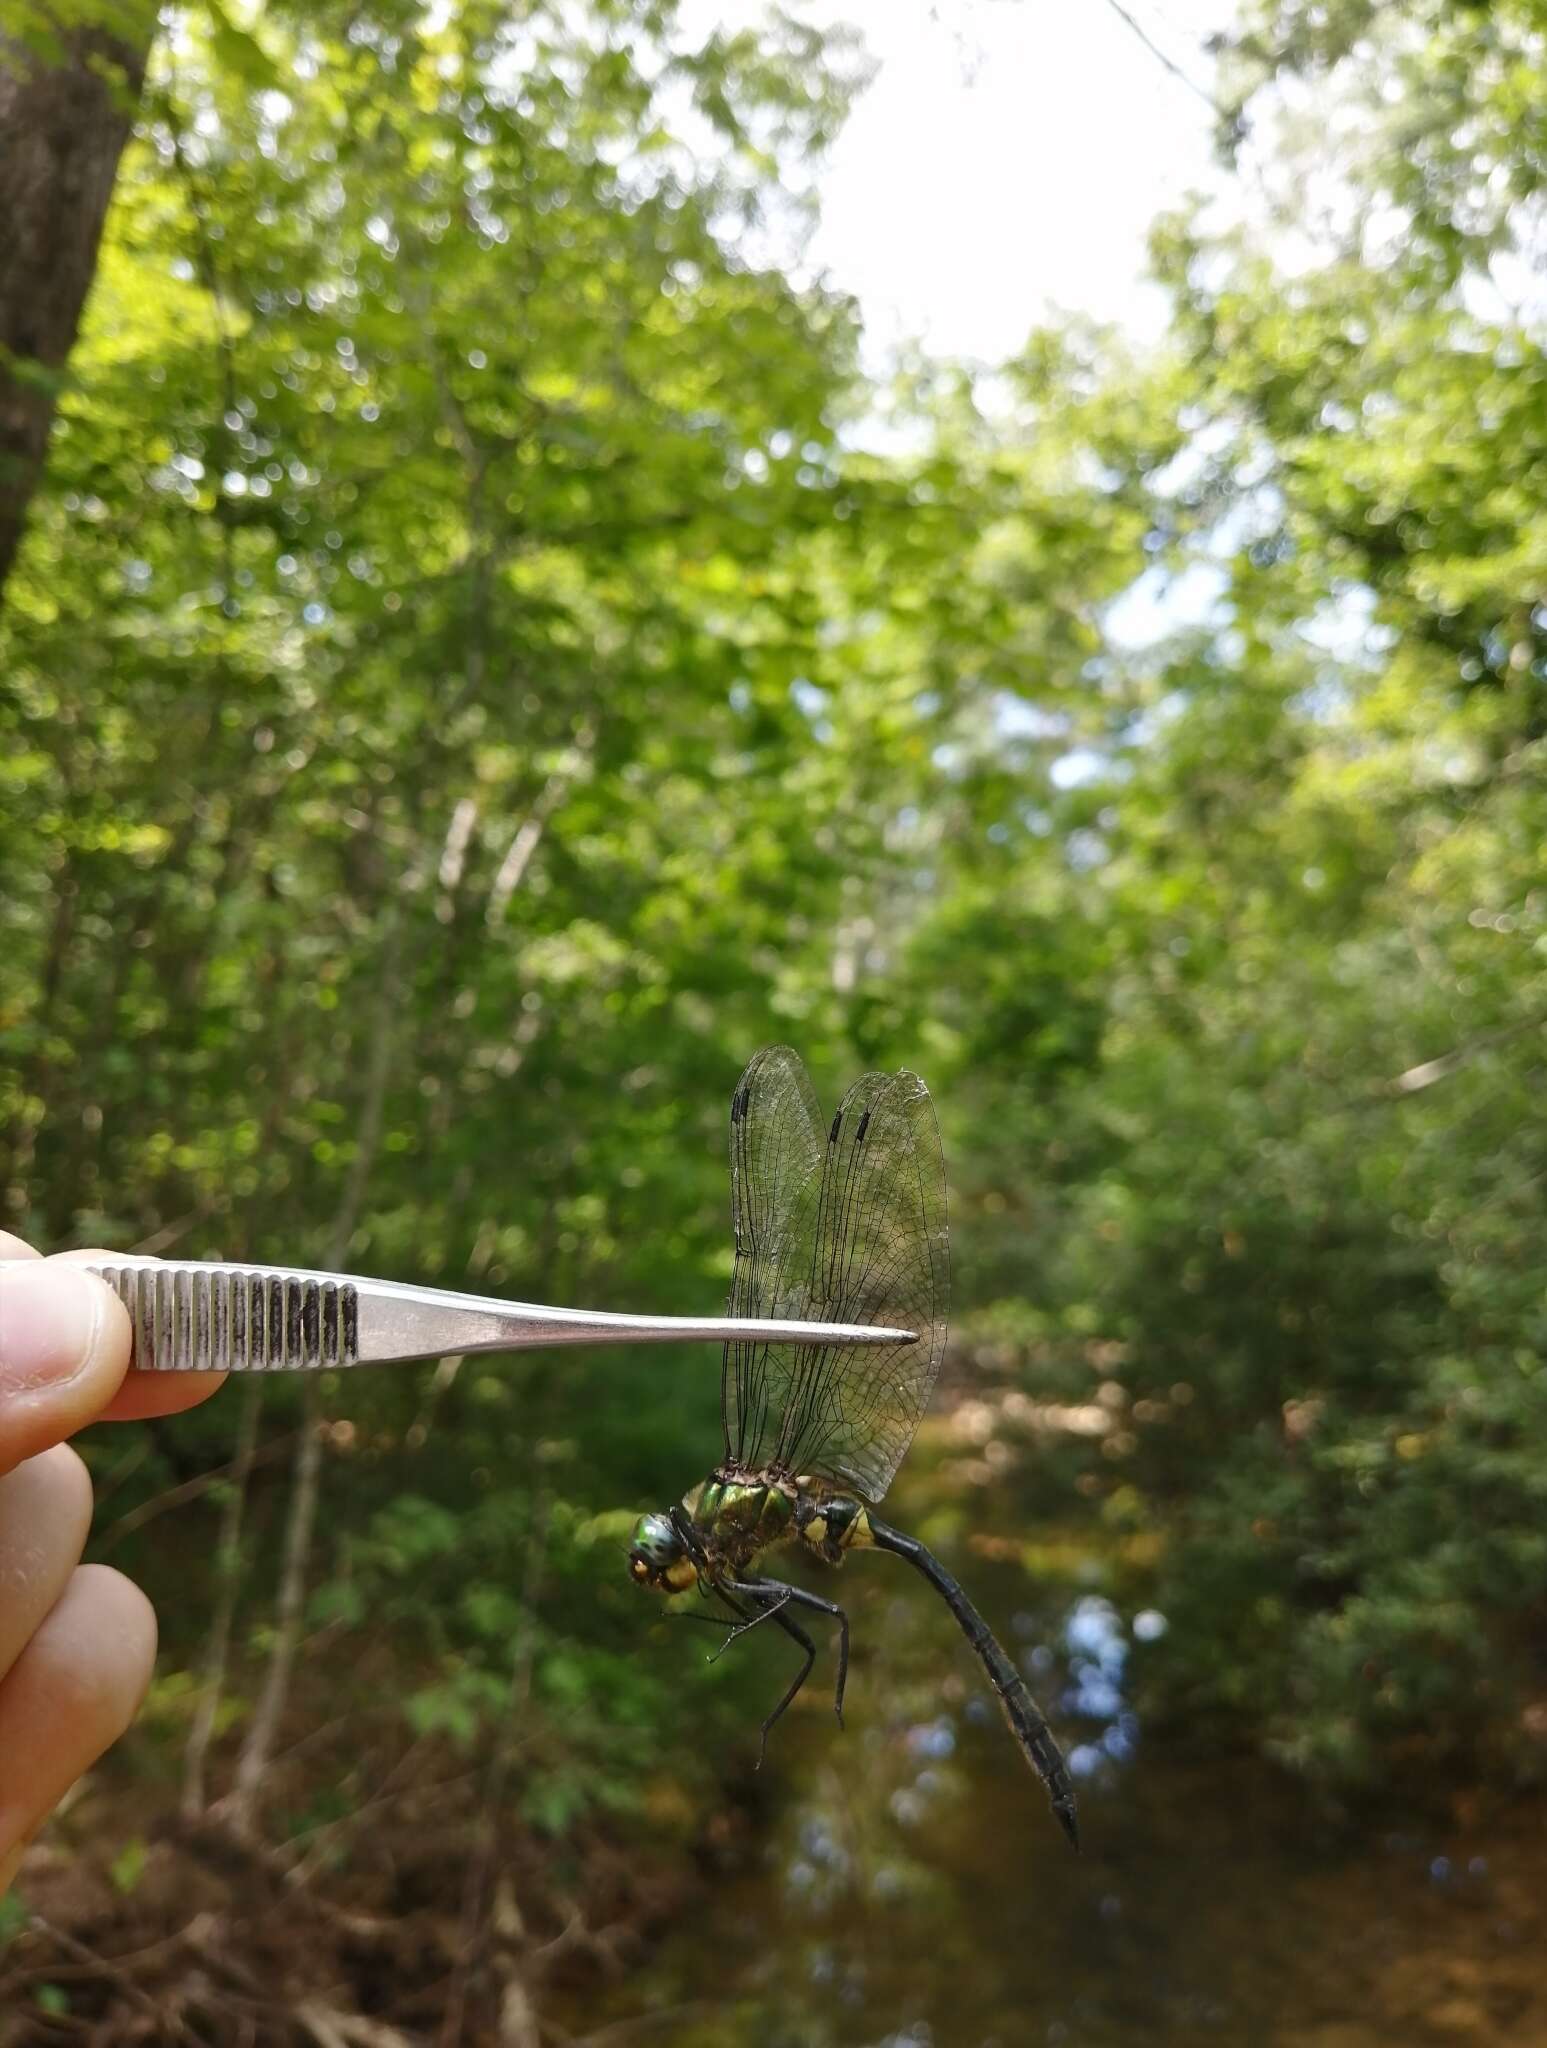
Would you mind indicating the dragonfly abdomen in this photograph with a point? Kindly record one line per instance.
(1022, 1714)
(830, 1524)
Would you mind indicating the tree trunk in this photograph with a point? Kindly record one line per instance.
(239, 1809)
(518, 2020)
(67, 99)
(229, 1568)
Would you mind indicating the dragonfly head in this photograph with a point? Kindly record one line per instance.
(657, 1556)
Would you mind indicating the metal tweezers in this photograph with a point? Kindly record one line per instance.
(194, 1315)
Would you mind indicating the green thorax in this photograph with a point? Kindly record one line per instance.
(739, 1514)
(739, 1517)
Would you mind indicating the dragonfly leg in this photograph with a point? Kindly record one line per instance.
(744, 1621)
(802, 1598)
(769, 1611)
(793, 1629)
(696, 1614)
(689, 1537)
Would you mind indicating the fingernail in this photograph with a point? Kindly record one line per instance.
(10, 1863)
(48, 1323)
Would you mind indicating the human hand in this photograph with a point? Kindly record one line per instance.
(77, 1642)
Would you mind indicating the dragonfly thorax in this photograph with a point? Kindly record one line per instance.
(725, 1523)
(734, 1515)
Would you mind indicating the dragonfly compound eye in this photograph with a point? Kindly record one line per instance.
(655, 1548)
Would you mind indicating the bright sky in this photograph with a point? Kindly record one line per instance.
(1007, 160)
(1009, 156)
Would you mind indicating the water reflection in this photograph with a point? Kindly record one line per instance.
(911, 1891)
(1096, 1642)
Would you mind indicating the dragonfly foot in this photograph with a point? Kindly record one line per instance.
(767, 1613)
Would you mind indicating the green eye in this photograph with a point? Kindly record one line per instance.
(656, 1541)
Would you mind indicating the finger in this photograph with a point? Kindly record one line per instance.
(64, 1348)
(151, 1393)
(72, 1692)
(161, 1393)
(45, 1513)
(16, 1247)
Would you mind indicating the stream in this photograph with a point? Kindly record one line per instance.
(907, 1887)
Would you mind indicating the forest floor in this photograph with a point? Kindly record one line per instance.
(417, 1936)
(411, 1932)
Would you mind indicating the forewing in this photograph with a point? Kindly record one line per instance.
(776, 1146)
(881, 1255)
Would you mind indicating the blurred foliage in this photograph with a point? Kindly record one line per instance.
(486, 659)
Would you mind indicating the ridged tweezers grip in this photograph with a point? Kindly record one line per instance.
(226, 1320)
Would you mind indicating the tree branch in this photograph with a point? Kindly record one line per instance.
(1428, 1072)
(1167, 63)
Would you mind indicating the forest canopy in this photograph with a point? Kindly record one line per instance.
(477, 667)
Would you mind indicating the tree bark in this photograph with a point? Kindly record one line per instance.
(67, 99)
(239, 1808)
(480, 1868)
(229, 1566)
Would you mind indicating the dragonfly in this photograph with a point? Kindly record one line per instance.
(843, 1223)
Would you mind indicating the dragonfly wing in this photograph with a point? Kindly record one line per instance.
(776, 1147)
(881, 1254)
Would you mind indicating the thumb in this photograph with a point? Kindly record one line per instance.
(64, 1348)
